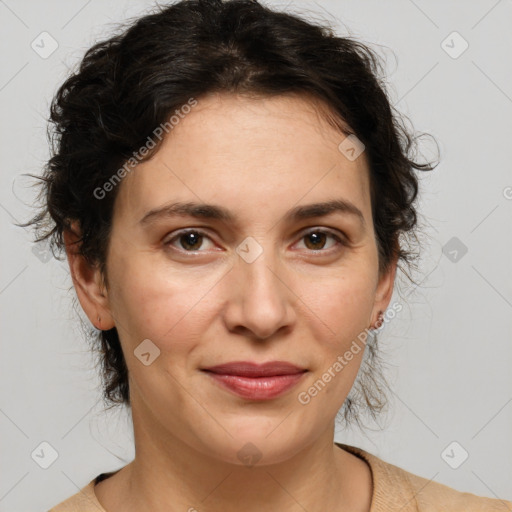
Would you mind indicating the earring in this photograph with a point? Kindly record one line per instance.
(99, 323)
(378, 324)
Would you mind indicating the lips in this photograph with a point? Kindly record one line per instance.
(252, 381)
(250, 369)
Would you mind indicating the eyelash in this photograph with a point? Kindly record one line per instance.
(340, 240)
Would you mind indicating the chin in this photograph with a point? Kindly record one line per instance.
(253, 447)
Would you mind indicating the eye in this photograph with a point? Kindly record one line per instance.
(190, 240)
(315, 240)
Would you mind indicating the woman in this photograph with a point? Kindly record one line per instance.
(230, 185)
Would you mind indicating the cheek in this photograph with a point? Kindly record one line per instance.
(337, 318)
(339, 307)
(171, 310)
(160, 304)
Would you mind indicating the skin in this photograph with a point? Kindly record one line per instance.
(259, 158)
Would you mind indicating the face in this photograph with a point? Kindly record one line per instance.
(256, 284)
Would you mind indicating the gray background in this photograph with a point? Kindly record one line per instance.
(449, 352)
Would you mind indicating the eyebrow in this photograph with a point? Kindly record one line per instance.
(210, 211)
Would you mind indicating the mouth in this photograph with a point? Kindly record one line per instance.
(254, 381)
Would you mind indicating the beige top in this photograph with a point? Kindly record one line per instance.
(394, 489)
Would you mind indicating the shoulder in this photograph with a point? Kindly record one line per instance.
(83, 501)
(430, 494)
(398, 489)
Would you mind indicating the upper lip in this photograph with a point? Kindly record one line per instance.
(250, 369)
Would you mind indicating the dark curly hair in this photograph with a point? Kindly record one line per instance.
(131, 83)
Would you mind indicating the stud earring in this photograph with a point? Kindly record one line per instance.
(378, 323)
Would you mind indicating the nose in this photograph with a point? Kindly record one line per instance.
(260, 303)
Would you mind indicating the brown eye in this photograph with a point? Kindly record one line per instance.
(317, 240)
(188, 240)
(191, 241)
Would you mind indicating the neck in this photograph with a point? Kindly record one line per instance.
(168, 474)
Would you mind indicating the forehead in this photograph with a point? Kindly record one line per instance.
(241, 152)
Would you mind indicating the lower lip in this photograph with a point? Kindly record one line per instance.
(257, 388)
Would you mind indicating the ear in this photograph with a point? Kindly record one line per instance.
(384, 289)
(88, 283)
